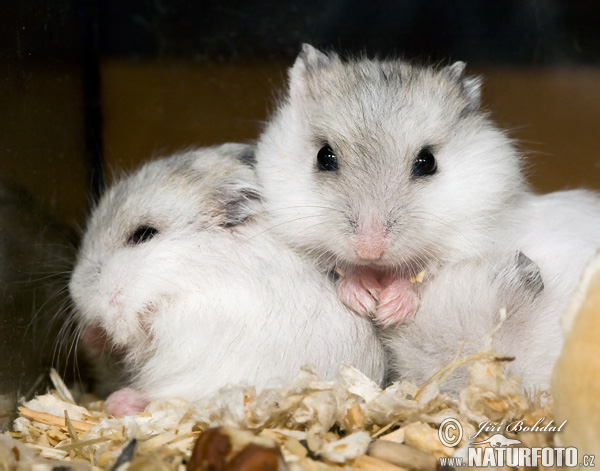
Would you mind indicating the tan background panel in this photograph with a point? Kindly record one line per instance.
(555, 114)
(152, 109)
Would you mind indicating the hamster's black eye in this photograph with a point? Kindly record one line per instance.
(425, 163)
(142, 234)
(326, 159)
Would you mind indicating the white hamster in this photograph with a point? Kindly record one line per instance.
(461, 309)
(179, 268)
(381, 167)
(384, 169)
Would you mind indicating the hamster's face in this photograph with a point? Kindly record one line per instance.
(132, 260)
(382, 163)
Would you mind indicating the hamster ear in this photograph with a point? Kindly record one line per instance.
(243, 152)
(529, 273)
(522, 272)
(308, 61)
(519, 282)
(241, 201)
(471, 86)
(313, 58)
(240, 192)
(456, 71)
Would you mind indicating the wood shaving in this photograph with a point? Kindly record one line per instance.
(318, 425)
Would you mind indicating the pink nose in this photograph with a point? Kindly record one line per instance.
(370, 246)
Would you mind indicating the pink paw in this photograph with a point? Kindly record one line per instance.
(359, 290)
(398, 302)
(125, 401)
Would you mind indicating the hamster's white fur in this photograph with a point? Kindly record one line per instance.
(209, 297)
(461, 309)
(560, 232)
(376, 116)
(461, 303)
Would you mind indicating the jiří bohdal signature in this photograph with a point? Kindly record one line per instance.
(517, 426)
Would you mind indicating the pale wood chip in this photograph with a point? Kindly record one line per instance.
(49, 419)
(61, 388)
(93, 441)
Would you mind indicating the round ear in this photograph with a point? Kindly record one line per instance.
(239, 191)
(522, 273)
(529, 274)
(471, 86)
(308, 61)
(243, 152)
(241, 200)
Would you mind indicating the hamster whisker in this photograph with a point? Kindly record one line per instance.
(302, 206)
(288, 221)
(307, 228)
(433, 218)
(73, 348)
(68, 334)
(416, 265)
(328, 259)
(324, 256)
(43, 276)
(43, 313)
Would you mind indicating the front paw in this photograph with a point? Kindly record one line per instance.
(398, 302)
(359, 290)
(125, 401)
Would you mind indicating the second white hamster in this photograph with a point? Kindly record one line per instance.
(179, 268)
(461, 309)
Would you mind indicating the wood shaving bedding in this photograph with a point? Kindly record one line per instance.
(349, 423)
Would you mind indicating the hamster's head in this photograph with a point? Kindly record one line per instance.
(137, 246)
(382, 163)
